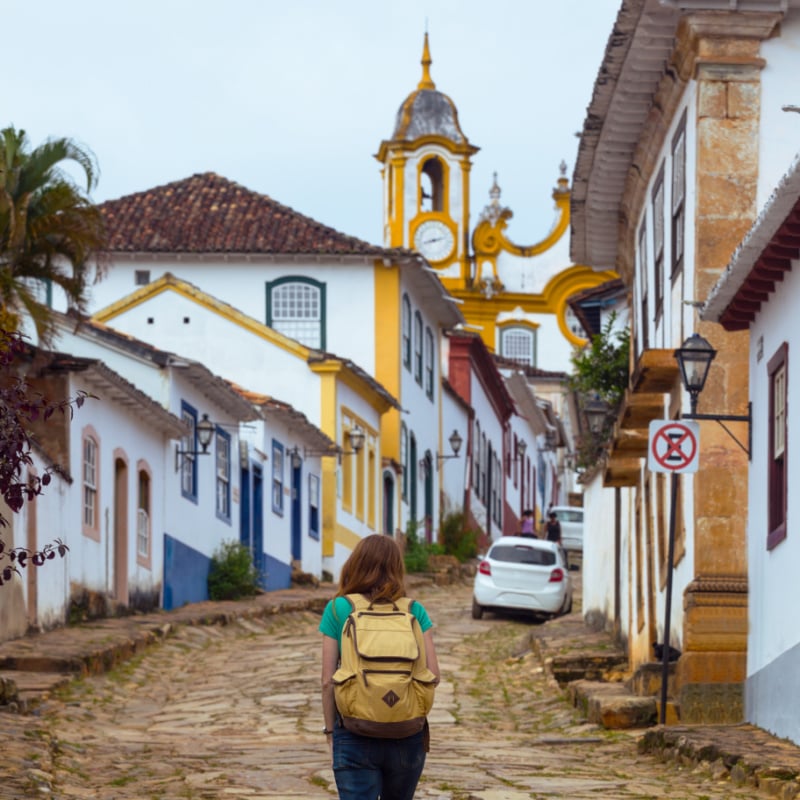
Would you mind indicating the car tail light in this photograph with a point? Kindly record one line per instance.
(485, 568)
(557, 575)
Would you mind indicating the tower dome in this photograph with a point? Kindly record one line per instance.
(427, 111)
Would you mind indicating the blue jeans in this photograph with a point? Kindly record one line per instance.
(368, 769)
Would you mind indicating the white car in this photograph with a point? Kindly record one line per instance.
(571, 519)
(523, 574)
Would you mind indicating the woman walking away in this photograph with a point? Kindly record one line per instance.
(377, 751)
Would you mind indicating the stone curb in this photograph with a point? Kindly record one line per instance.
(33, 666)
(744, 754)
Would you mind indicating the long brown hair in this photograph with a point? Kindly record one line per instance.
(375, 569)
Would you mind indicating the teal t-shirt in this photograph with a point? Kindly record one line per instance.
(338, 610)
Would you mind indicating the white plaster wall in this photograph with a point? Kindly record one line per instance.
(226, 348)
(349, 293)
(531, 275)
(779, 132)
(122, 434)
(54, 520)
(196, 524)
(598, 552)
(421, 415)
(453, 471)
(492, 427)
(277, 526)
(774, 589)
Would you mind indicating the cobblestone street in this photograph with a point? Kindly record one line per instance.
(234, 712)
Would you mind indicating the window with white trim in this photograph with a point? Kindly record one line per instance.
(188, 446)
(518, 344)
(313, 506)
(429, 363)
(406, 322)
(223, 477)
(143, 532)
(90, 468)
(777, 369)
(404, 459)
(678, 198)
(296, 308)
(658, 244)
(277, 477)
(418, 347)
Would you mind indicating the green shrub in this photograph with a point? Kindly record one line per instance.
(232, 574)
(418, 551)
(458, 540)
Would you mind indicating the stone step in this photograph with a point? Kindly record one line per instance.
(612, 705)
(611, 667)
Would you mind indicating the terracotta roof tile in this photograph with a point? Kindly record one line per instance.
(210, 214)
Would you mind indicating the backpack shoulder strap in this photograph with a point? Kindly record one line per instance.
(404, 604)
(357, 601)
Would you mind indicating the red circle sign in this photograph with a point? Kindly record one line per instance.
(674, 447)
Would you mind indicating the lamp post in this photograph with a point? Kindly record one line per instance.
(204, 431)
(356, 438)
(596, 412)
(694, 359)
(455, 441)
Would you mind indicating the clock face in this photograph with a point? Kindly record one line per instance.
(434, 240)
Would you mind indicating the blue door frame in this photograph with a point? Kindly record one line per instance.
(258, 525)
(297, 513)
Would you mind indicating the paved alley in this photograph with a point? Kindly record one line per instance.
(234, 712)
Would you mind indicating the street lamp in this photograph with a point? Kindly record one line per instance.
(204, 431)
(356, 438)
(455, 445)
(596, 412)
(694, 360)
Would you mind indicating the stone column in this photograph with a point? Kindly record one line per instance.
(722, 52)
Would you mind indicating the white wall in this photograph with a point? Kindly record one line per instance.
(773, 644)
(349, 294)
(226, 348)
(779, 131)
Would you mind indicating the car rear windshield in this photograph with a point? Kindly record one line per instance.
(570, 516)
(521, 554)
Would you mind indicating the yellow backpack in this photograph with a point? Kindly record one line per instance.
(383, 686)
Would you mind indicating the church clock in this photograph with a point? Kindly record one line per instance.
(434, 239)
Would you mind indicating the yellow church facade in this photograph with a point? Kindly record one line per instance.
(514, 295)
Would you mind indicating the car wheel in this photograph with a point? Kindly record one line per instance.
(477, 610)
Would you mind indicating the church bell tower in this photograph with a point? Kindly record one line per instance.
(426, 166)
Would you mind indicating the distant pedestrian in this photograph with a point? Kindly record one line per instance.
(367, 767)
(552, 528)
(527, 527)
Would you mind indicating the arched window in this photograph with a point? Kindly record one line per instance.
(429, 362)
(406, 332)
(296, 308)
(518, 343)
(431, 186)
(143, 531)
(91, 484)
(418, 347)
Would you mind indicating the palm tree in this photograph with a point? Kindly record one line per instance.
(49, 228)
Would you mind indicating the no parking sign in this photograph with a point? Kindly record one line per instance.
(673, 446)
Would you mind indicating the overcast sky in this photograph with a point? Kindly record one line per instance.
(293, 97)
